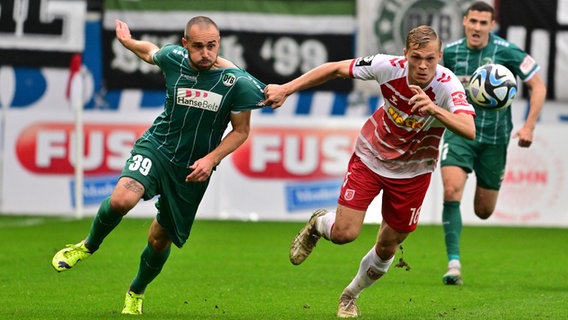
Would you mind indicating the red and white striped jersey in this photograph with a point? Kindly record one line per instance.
(394, 142)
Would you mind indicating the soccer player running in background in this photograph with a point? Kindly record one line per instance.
(487, 154)
(396, 151)
(175, 157)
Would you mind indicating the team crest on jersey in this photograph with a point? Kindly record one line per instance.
(229, 79)
(349, 194)
(396, 17)
(200, 99)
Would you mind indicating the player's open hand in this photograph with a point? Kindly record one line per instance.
(122, 31)
(275, 95)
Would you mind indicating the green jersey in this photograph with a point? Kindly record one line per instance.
(492, 127)
(198, 106)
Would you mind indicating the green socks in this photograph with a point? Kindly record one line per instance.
(105, 221)
(151, 264)
(452, 223)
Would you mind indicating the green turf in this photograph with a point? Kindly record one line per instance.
(240, 270)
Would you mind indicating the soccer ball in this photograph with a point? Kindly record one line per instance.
(492, 86)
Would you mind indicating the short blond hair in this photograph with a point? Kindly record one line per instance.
(420, 36)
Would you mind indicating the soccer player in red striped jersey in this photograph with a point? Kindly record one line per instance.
(396, 151)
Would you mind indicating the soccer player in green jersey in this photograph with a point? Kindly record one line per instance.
(487, 154)
(175, 157)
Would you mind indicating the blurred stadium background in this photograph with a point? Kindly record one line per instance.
(64, 76)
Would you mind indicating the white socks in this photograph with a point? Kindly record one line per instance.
(454, 264)
(372, 267)
(325, 223)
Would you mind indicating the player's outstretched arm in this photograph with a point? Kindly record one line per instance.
(143, 49)
(275, 95)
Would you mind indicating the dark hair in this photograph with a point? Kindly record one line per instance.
(481, 6)
(420, 36)
(202, 20)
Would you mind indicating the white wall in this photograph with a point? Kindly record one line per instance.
(288, 167)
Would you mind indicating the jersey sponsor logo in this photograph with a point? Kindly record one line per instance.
(527, 65)
(364, 61)
(200, 99)
(459, 98)
(48, 148)
(404, 120)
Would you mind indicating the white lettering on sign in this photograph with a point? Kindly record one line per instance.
(51, 25)
(50, 144)
(301, 154)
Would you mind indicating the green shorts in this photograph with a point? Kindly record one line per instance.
(487, 160)
(178, 201)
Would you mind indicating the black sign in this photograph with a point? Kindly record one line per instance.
(271, 57)
(33, 33)
(531, 16)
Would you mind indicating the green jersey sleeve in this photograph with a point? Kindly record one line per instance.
(249, 92)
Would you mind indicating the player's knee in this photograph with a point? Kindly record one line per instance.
(121, 205)
(386, 252)
(483, 213)
(159, 245)
(343, 236)
(452, 192)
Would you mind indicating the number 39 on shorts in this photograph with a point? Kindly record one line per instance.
(141, 164)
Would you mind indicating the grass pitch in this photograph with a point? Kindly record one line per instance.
(240, 270)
